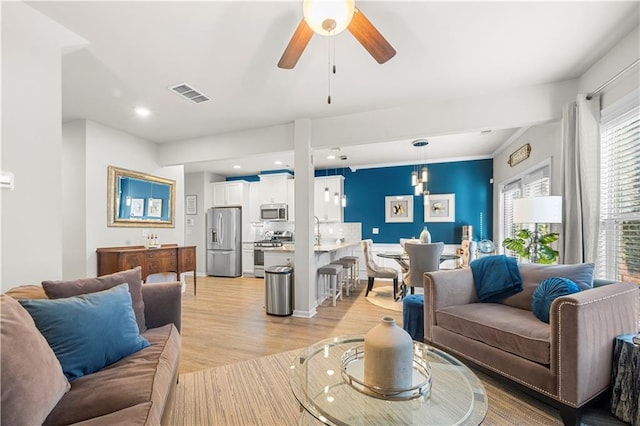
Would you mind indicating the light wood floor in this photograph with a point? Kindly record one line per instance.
(226, 322)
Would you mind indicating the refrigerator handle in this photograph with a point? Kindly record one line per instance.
(221, 229)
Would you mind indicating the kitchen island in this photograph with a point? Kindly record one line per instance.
(323, 253)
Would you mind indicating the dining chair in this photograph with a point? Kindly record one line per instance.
(376, 271)
(422, 258)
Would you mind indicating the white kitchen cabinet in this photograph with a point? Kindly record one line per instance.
(329, 211)
(274, 188)
(291, 199)
(254, 201)
(231, 193)
(247, 259)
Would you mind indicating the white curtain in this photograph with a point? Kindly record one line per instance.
(581, 180)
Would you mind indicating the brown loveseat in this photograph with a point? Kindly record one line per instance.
(136, 390)
(568, 361)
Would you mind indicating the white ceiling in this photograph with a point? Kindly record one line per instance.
(229, 51)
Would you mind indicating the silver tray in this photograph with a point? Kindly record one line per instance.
(353, 374)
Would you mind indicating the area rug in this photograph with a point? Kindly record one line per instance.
(257, 392)
(383, 297)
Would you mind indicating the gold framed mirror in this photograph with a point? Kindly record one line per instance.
(137, 199)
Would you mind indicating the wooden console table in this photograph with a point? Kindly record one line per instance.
(167, 258)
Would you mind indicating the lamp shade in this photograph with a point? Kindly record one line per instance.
(538, 209)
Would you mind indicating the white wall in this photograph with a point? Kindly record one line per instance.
(545, 141)
(31, 229)
(618, 58)
(198, 184)
(104, 147)
(74, 214)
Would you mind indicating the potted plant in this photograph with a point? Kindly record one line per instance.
(533, 245)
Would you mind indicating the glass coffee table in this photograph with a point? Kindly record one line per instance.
(456, 396)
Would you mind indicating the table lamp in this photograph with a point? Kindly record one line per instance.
(537, 210)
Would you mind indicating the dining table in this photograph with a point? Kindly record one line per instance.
(402, 258)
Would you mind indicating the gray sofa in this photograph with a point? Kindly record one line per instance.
(137, 390)
(567, 361)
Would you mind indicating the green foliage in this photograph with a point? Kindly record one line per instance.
(630, 235)
(521, 244)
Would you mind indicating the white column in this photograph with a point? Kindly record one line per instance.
(304, 258)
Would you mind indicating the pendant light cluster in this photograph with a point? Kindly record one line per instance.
(420, 173)
(337, 200)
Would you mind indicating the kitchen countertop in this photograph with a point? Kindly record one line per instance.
(322, 248)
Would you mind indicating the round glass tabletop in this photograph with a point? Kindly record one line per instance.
(456, 396)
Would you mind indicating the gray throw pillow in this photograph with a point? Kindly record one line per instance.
(32, 378)
(133, 277)
(533, 274)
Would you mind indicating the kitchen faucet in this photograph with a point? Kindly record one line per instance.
(317, 221)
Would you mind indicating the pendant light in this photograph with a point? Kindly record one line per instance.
(327, 195)
(420, 174)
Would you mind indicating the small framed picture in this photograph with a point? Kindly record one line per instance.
(191, 204)
(398, 208)
(137, 207)
(154, 208)
(440, 208)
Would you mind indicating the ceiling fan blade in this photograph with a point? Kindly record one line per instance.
(298, 42)
(370, 38)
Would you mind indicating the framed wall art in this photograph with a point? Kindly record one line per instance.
(398, 208)
(191, 204)
(440, 208)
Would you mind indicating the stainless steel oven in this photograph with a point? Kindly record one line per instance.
(258, 255)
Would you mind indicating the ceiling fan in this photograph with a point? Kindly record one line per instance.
(330, 17)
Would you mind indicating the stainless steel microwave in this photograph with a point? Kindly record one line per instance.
(274, 212)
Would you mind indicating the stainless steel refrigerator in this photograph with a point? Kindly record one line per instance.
(224, 241)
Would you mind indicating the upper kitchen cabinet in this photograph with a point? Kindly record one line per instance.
(254, 202)
(233, 193)
(274, 188)
(328, 192)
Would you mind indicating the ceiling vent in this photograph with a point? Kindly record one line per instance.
(183, 89)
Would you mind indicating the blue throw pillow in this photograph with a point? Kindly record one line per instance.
(88, 332)
(548, 291)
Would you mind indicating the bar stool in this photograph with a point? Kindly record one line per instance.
(331, 276)
(356, 269)
(346, 275)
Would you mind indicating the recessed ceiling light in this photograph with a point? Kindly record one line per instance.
(278, 162)
(331, 157)
(236, 166)
(142, 111)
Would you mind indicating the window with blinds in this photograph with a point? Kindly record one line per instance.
(619, 239)
(533, 184)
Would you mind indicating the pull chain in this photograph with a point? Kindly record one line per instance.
(329, 73)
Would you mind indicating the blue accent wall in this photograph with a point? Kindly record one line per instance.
(366, 190)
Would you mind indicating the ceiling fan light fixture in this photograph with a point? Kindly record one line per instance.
(328, 17)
